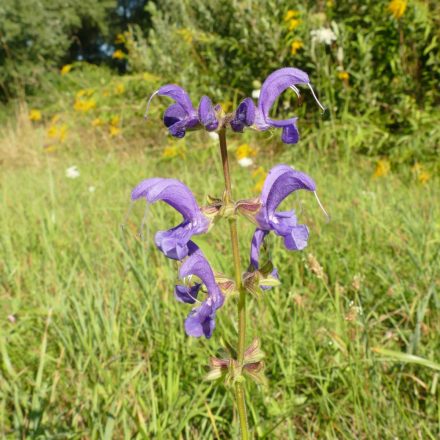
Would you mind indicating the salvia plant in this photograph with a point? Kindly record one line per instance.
(201, 286)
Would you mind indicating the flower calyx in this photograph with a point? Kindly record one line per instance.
(226, 285)
(232, 372)
(249, 208)
(256, 280)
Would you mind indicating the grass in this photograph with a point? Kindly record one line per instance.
(97, 349)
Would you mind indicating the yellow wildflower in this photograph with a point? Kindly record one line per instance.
(295, 46)
(343, 76)
(291, 13)
(294, 23)
(120, 39)
(35, 115)
(119, 89)
(170, 152)
(245, 150)
(66, 69)
(118, 54)
(55, 119)
(382, 168)
(424, 176)
(97, 122)
(114, 131)
(397, 8)
(52, 132)
(115, 120)
(330, 3)
(81, 105)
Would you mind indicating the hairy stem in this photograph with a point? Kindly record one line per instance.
(239, 389)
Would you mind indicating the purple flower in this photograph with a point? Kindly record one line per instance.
(281, 181)
(175, 241)
(256, 244)
(182, 116)
(201, 320)
(247, 114)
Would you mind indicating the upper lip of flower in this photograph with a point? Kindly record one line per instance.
(281, 181)
(174, 242)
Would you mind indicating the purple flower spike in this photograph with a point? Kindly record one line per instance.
(201, 320)
(180, 116)
(281, 181)
(244, 115)
(174, 243)
(207, 114)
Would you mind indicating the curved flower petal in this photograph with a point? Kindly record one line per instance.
(281, 181)
(207, 114)
(171, 191)
(285, 183)
(275, 84)
(175, 242)
(244, 115)
(201, 320)
(179, 95)
(290, 134)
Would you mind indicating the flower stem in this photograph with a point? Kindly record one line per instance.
(239, 388)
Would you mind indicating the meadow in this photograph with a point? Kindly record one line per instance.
(92, 342)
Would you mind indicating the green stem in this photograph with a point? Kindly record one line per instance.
(239, 389)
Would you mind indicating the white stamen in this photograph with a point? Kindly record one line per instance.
(148, 103)
(296, 90)
(322, 207)
(316, 98)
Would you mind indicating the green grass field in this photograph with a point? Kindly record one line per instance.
(92, 342)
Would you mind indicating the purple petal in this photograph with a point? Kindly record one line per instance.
(174, 113)
(174, 242)
(290, 134)
(276, 83)
(199, 266)
(171, 191)
(276, 190)
(187, 294)
(257, 241)
(244, 115)
(179, 95)
(297, 238)
(207, 114)
(200, 321)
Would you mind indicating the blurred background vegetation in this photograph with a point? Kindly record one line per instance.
(376, 64)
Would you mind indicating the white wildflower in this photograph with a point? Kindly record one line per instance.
(72, 172)
(92, 189)
(323, 35)
(213, 135)
(245, 162)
